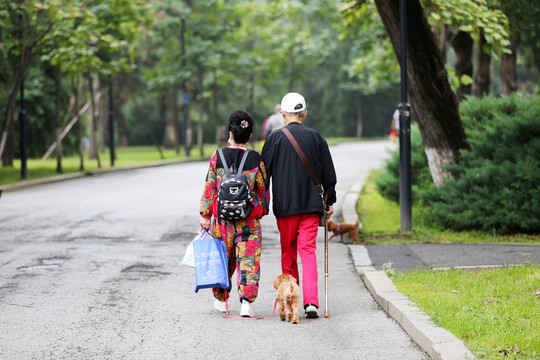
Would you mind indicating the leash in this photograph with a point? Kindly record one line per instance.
(246, 318)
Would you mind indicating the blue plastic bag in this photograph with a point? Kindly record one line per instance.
(210, 262)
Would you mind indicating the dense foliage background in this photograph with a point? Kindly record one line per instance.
(219, 56)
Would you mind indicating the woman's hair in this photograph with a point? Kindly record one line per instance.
(241, 126)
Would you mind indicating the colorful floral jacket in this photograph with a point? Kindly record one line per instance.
(255, 172)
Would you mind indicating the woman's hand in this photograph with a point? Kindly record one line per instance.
(205, 222)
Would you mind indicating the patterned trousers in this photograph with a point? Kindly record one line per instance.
(243, 241)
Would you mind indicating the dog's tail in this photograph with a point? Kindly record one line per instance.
(290, 293)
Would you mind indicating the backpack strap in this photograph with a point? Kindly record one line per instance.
(244, 157)
(242, 162)
(225, 166)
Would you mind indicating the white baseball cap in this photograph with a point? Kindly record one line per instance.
(293, 103)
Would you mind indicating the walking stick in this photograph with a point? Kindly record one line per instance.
(326, 269)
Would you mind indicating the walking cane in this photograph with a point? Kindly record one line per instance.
(326, 269)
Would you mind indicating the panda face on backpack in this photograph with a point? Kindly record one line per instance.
(234, 194)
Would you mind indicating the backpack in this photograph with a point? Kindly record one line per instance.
(234, 194)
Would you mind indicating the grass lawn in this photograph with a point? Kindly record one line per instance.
(125, 156)
(495, 312)
(380, 219)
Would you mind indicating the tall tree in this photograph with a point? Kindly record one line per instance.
(23, 27)
(433, 101)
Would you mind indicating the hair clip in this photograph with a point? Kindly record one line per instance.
(244, 124)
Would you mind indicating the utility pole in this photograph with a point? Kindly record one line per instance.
(22, 119)
(185, 95)
(405, 193)
(111, 121)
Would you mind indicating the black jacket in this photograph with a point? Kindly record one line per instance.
(293, 192)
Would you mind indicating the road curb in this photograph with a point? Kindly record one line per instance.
(348, 209)
(29, 183)
(438, 342)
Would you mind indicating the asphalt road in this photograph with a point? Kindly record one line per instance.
(90, 269)
(437, 256)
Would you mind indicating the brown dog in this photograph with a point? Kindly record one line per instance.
(288, 297)
(344, 228)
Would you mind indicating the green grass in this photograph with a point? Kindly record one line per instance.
(380, 219)
(493, 311)
(125, 156)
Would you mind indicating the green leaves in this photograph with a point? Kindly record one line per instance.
(373, 65)
(92, 37)
(474, 17)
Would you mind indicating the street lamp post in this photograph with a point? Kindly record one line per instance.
(405, 196)
(22, 119)
(185, 95)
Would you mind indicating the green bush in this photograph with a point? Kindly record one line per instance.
(388, 181)
(496, 185)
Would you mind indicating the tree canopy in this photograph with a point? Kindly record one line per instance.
(170, 60)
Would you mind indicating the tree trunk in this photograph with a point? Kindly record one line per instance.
(20, 64)
(440, 39)
(359, 117)
(430, 93)
(462, 43)
(7, 140)
(58, 117)
(93, 118)
(171, 131)
(482, 80)
(189, 132)
(75, 86)
(7, 144)
(121, 125)
(174, 120)
(509, 82)
(200, 136)
(536, 58)
(102, 120)
(215, 110)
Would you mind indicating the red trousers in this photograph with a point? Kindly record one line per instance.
(298, 237)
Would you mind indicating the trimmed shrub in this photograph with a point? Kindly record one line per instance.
(388, 180)
(496, 186)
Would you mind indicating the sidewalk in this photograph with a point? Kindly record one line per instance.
(368, 260)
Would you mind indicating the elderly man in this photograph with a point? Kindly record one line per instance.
(295, 201)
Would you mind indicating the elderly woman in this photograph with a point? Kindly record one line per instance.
(242, 237)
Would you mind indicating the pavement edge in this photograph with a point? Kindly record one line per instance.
(438, 342)
(53, 179)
